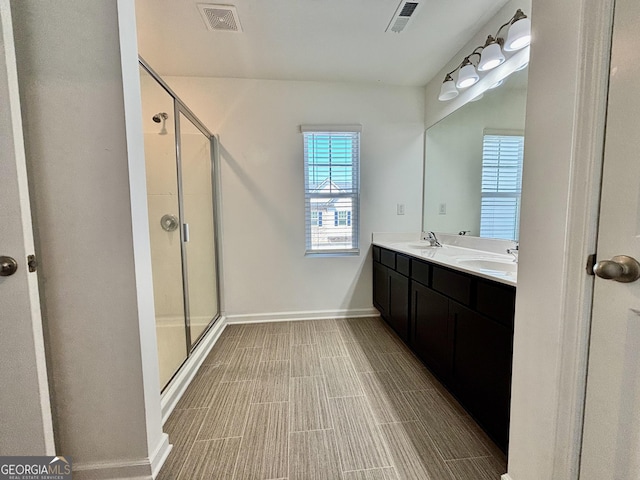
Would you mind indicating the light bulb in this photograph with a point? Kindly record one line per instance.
(448, 89)
(467, 76)
(519, 35)
(491, 57)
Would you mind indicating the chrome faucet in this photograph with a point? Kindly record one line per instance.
(433, 239)
(514, 252)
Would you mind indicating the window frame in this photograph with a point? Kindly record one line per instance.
(352, 217)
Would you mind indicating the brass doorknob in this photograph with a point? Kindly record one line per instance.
(8, 266)
(620, 268)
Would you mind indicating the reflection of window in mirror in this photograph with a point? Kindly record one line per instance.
(502, 156)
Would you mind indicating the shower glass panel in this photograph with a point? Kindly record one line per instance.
(164, 224)
(198, 214)
(180, 159)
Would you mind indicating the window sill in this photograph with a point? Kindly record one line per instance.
(333, 253)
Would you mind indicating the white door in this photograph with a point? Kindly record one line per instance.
(25, 412)
(611, 444)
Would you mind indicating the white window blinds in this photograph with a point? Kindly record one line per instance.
(332, 191)
(502, 157)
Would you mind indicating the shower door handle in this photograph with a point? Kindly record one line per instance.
(185, 232)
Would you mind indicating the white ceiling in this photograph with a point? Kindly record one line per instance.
(322, 40)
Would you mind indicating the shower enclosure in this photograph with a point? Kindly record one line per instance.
(181, 171)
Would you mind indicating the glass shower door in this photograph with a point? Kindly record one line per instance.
(198, 212)
(164, 225)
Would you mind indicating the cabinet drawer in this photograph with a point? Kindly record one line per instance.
(376, 254)
(388, 258)
(402, 264)
(496, 301)
(452, 284)
(420, 272)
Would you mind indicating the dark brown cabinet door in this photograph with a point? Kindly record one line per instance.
(399, 304)
(381, 288)
(432, 335)
(482, 369)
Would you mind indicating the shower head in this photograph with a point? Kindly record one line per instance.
(158, 117)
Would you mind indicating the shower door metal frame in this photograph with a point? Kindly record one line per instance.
(180, 108)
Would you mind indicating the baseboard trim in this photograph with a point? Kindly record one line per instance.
(506, 477)
(308, 315)
(181, 381)
(160, 455)
(134, 470)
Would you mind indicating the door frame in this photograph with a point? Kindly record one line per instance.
(586, 170)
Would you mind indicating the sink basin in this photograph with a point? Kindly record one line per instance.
(495, 265)
(420, 245)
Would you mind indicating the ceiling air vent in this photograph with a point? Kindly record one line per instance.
(402, 16)
(220, 18)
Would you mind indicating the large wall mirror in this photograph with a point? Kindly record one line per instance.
(473, 164)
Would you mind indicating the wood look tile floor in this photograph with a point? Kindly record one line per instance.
(322, 400)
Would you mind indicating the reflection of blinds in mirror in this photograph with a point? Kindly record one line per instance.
(502, 157)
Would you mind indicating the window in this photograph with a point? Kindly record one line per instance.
(332, 189)
(502, 157)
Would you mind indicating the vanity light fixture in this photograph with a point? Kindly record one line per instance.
(519, 35)
(489, 56)
(492, 55)
(467, 75)
(448, 89)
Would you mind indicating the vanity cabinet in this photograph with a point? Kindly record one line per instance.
(459, 325)
(481, 368)
(381, 289)
(398, 304)
(391, 290)
(433, 331)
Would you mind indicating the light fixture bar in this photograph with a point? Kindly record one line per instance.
(490, 55)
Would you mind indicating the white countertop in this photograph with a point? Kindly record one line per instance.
(481, 263)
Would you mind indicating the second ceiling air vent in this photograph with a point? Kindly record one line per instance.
(402, 16)
(220, 18)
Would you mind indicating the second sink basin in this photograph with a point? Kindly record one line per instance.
(495, 265)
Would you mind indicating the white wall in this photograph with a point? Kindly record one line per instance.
(83, 138)
(263, 235)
